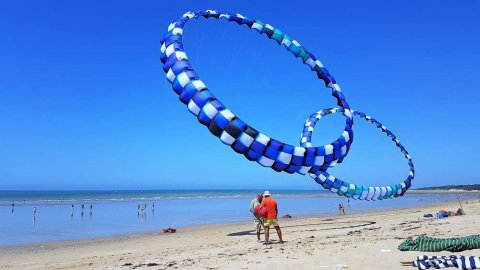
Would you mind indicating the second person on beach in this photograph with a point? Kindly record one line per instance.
(257, 220)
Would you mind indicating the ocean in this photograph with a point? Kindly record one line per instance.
(44, 216)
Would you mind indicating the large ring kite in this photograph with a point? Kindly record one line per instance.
(232, 131)
(241, 137)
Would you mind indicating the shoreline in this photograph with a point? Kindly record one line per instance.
(72, 242)
(190, 228)
(232, 223)
(327, 241)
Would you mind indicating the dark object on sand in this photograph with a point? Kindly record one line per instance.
(426, 243)
(169, 230)
(287, 216)
(428, 216)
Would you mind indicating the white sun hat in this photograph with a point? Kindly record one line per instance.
(266, 193)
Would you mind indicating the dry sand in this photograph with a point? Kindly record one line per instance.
(355, 241)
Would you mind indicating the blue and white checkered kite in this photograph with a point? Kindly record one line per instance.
(256, 146)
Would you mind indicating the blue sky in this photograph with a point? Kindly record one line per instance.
(84, 103)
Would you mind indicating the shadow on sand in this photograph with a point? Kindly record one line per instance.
(340, 225)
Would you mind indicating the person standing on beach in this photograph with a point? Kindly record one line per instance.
(71, 212)
(91, 209)
(341, 209)
(257, 221)
(13, 207)
(271, 220)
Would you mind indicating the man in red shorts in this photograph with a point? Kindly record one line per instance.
(271, 219)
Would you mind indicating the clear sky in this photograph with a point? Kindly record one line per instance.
(84, 103)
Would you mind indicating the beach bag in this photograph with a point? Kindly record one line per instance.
(261, 210)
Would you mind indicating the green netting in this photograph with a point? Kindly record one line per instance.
(427, 243)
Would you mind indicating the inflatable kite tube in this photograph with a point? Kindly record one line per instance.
(349, 190)
(256, 146)
(261, 211)
(225, 125)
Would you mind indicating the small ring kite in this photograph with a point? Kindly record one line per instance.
(241, 137)
(350, 190)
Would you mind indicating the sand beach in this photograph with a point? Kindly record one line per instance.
(366, 240)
